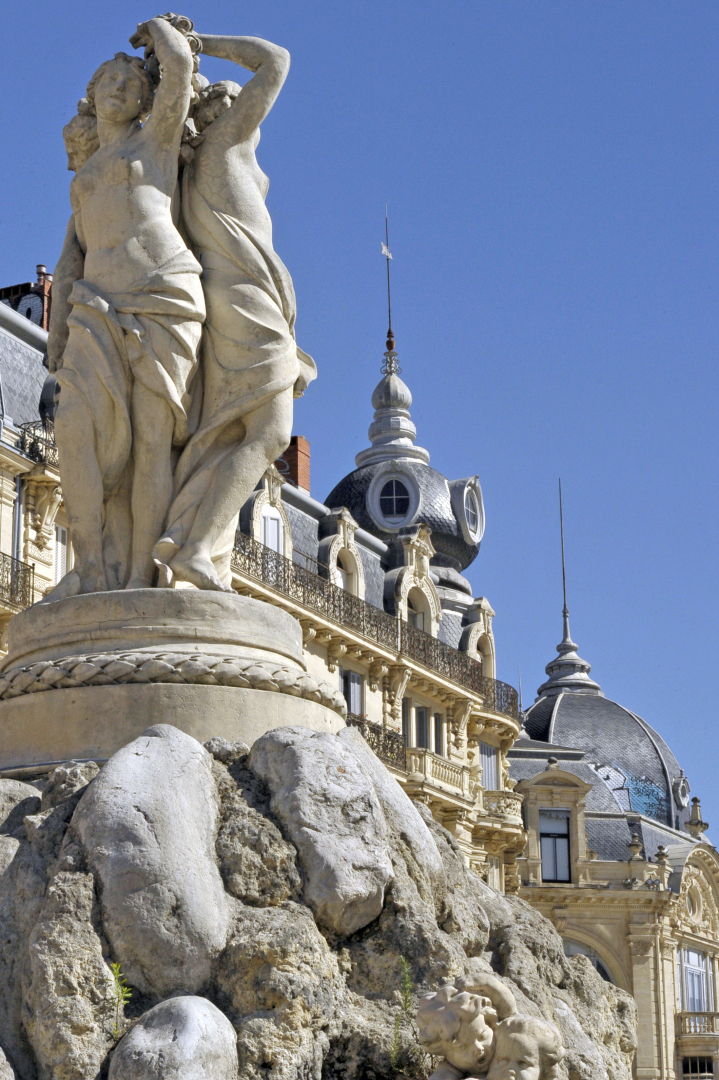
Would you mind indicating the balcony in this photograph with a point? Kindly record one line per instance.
(17, 584)
(425, 767)
(37, 441)
(503, 805)
(315, 592)
(387, 745)
(698, 1023)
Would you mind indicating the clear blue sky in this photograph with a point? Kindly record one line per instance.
(552, 172)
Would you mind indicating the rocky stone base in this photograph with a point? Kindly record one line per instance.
(276, 913)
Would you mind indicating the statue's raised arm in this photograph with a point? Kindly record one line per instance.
(270, 64)
(172, 97)
(251, 365)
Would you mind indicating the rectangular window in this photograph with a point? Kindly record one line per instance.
(272, 532)
(60, 553)
(439, 734)
(406, 721)
(422, 728)
(697, 1068)
(554, 843)
(488, 758)
(351, 687)
(696, 981)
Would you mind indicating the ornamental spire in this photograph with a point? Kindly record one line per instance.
(391, 433)
(568, 672)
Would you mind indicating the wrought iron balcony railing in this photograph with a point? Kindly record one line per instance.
(387, 745)
(320, 594)
(37, 440)
(698, 1023)
(17, 582)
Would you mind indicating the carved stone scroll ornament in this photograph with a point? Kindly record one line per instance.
(474, 1027)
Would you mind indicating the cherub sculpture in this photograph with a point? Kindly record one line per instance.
(474, 1026)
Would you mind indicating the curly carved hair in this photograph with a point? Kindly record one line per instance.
(549, 1041)
(80, 136)
(139, 69)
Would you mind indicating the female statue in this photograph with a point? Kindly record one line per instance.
(251, 365)
(127, 317)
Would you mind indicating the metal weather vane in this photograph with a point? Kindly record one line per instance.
(390, 365)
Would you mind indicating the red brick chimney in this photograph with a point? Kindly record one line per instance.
(15, 294)
(294, 465)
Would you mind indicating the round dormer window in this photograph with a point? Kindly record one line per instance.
(468, 508)
(394, 501)
(393, 498)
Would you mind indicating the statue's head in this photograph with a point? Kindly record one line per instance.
(213, 101)
(80, 135)
(121, 90)
(526, 1049)
(458, 1026)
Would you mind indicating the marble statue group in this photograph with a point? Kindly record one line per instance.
(172, 332)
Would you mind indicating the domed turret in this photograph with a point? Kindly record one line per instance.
(394, 487)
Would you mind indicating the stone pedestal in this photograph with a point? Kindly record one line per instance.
(85, 675)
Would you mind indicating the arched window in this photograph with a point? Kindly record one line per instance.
(272, 532)
(417, 613)
(394, 500)
(575, 948)
(345, 573)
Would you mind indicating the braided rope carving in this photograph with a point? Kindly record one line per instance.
(108, 669)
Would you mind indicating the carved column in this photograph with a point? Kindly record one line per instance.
(645, 991)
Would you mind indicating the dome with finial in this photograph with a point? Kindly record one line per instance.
(624, 753)
(394, 487)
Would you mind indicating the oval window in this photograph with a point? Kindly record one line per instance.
(471, 510)
(394, 500)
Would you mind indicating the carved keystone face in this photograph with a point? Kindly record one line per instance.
(119, 93)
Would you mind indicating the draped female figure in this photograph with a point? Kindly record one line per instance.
(250, 363)
(127, 317)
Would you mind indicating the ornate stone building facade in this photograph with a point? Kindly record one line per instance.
(616, 857)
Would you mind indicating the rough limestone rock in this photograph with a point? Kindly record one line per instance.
(6, 1072)
(185, 1038)
(37, 840)
(200, 875)
(257, 864)
(65, 780)
(284, 991)
(148, 823)
(16, 801)
(330, 811)
(68, 1003)
(405, 824)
